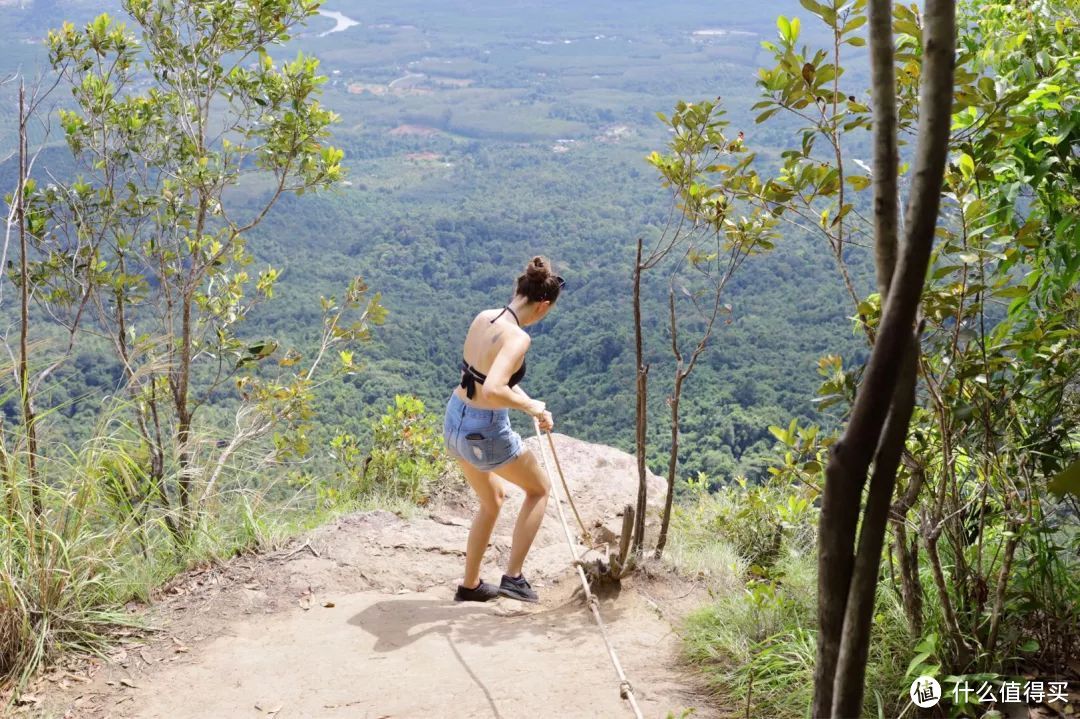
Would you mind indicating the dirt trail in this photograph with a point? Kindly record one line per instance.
(357, 620)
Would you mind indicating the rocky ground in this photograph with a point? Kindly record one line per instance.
(357, 619)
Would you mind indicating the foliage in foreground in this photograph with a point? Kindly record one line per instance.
(755, 643)
(67, 572)
(981, 557)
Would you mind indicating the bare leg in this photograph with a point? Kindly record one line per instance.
(526, 473)
(490, 492)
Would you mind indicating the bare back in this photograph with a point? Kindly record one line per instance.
(496, 349)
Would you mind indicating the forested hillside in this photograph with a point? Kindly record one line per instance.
(515, 132)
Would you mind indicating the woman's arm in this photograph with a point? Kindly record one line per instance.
(545, 419)
(495, 387)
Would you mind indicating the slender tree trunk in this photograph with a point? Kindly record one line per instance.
(156, 445)
(183, 379)
(183, 418)
(907, 557)
(952, 626)
(146, 416)
(855, 639)
(29, 414)
(852, 454)
(673, 457)
(907, 554)
(886, 157)
(999, 593)
(673, 460)
(642, 409)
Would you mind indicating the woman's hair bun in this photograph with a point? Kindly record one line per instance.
(539, 282)
(538, 269)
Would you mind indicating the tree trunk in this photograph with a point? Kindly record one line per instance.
(181, 387)
(673, 456)
(29, 413)
(855, 638)
(642, 409)
(183, 417)
(907, 557)
(886, 157)
(953, 637)
(673, 460)
(852, 454)
(907, 554)
(1002, 584)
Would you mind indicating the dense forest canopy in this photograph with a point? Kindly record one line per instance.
(471, 143)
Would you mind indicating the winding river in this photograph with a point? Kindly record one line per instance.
(344, 22)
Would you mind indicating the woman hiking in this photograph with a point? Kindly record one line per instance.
(478, 434)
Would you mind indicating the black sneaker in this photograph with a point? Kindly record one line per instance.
(480, 593)
(517, 589)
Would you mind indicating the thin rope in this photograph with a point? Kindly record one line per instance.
(626, 690)
(569, 498)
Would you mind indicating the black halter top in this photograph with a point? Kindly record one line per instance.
(470, 376)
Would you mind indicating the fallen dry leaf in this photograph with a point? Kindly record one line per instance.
(129, 683)
(328, 605)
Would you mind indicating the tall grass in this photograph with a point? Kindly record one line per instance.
(755, 643)
(101, 539)
(60, 582)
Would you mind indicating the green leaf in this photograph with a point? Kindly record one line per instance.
(855, 23)
(906, 27)
(916, 663)
(841, 214)
(859, 182)
(1013, 291)
(766, 115)
(784, 26)
(1067, 481)
(1051, 139)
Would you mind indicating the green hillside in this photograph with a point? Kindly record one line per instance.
(473, 141)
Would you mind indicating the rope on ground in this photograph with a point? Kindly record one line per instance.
(626, 690)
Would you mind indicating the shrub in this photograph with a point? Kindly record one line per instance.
(405, 459)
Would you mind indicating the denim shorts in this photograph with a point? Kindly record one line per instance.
(481, 437)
